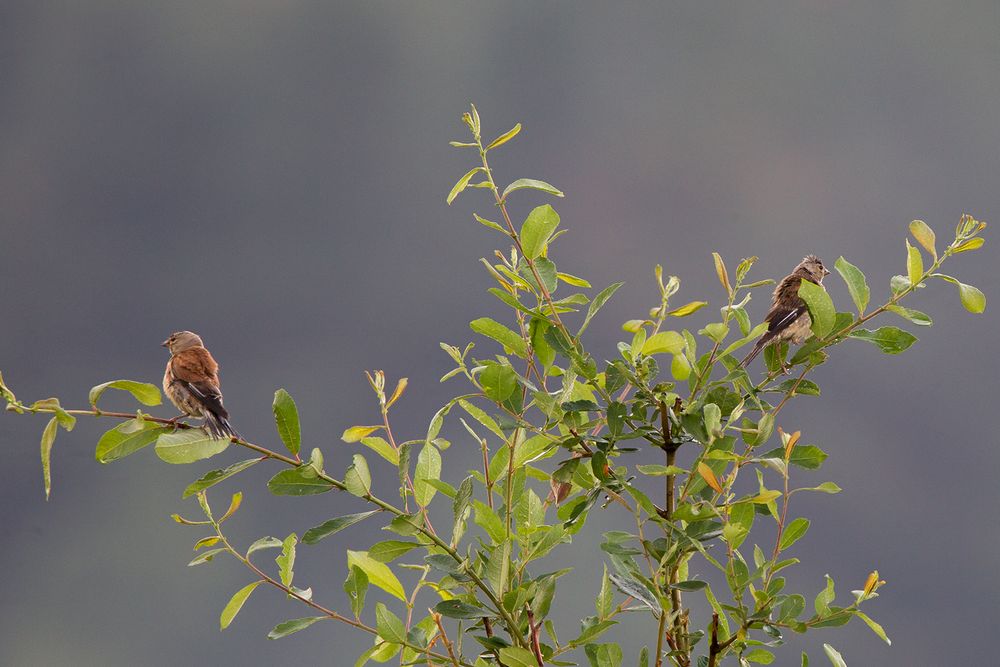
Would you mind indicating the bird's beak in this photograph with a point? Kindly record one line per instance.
(165, 343)
(826, 271)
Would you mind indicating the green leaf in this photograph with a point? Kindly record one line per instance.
(188, 446)
(660, 470)
(264, 543)
(236, 603)
(356, 587)
(512, 656)
(428, 467)
(498, 381)
(389, 626)
(825, 487)
(972, 298)
(356, 433)
(824, 598)
(914, 264)
(834, 655)
(378, 573)
(573, 280)
(821, 308)
(286, 561)
(523, 183)
(505, 137)
(809, 457)
(127, 438)
(793, 532)
(328, 528)
(301, 481)
(382, 448)
(717, 331)
(213, 477)
(689, 585)
(501, 334)
(490, 224)
(206, 557)
(971, 244)
(48, 438)
(462, 184)
(924, 235)
(597, 304)
(603, 655)
(286, 418)
(390, 550)
(688, 308)
(145, 393)
(914, 316)
(670, 342)
(740, 522)
(459, 609)
(890, 340)
(876, 628)
(537, 229)
(293, 626)
(358, 479)
(760, 656)
(856, 283)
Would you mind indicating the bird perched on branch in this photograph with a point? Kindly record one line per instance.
(191, 382)
(788, 319)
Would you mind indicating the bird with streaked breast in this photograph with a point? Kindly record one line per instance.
(191, 382)
(788, 319)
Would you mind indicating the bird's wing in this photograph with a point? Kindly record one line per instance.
(779, 318)
(196, 368)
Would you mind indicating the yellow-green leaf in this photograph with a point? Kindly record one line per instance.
(355, 433)
(48, 438)
(378, 573)
(709, 477)
(924, 235)
(720, 270)
(971, 244)
(462, 184)
(688, 308)
(914, 264)
(665, 341)
(236, 603)
(505, 137)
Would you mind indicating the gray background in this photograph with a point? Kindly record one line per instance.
(272, 175)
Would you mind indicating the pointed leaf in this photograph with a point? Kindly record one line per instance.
(523, 183)
(597, 304)
(48, 438)
(213, 477)
(301, 481)
(378, 573)
(505, 137)
(834, 656)
(145, 393)
(286, 418)
(914, 264)
(236, 603)
(855, 281)
(498, 332)
(292, 626)
(924, 236)
(793, 532)
(462, 184)
(327, 528)
(428, 467)
(389, 626)
(127, 438)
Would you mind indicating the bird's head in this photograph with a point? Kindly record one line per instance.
(811, 267)
(182, 340)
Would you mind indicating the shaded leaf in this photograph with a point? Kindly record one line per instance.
(821, 308)
(289, 627)
(188, 446)
(301, 481)
(793, 532)
(857, 286)
(127, 438)
(327, 528)
(213, 477)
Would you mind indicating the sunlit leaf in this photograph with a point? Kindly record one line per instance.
(378, 573)
(890, 340)
(523, 183)
(505, 137)
(462, 184)
(236, 603)
(327, 528)
(127, 438)
(145, 393)
(857, 286)
(537, 229)
(924, 236)
(821, 308)
(289, 627)
(286, 418)
(188, 446)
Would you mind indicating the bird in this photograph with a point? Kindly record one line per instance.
(788, 319)
(191, 382)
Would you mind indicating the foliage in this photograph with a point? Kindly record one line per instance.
(561, 435)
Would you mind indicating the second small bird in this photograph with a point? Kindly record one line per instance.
(191, 382)
(789, 318)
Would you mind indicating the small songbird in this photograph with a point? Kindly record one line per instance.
(191, 382)
(788, 319)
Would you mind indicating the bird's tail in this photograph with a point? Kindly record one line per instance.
(219, 427)
(760, 345)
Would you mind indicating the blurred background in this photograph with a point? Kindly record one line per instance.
(272, 175)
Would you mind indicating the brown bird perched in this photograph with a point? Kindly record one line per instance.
(191, 382)
(788, 319)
